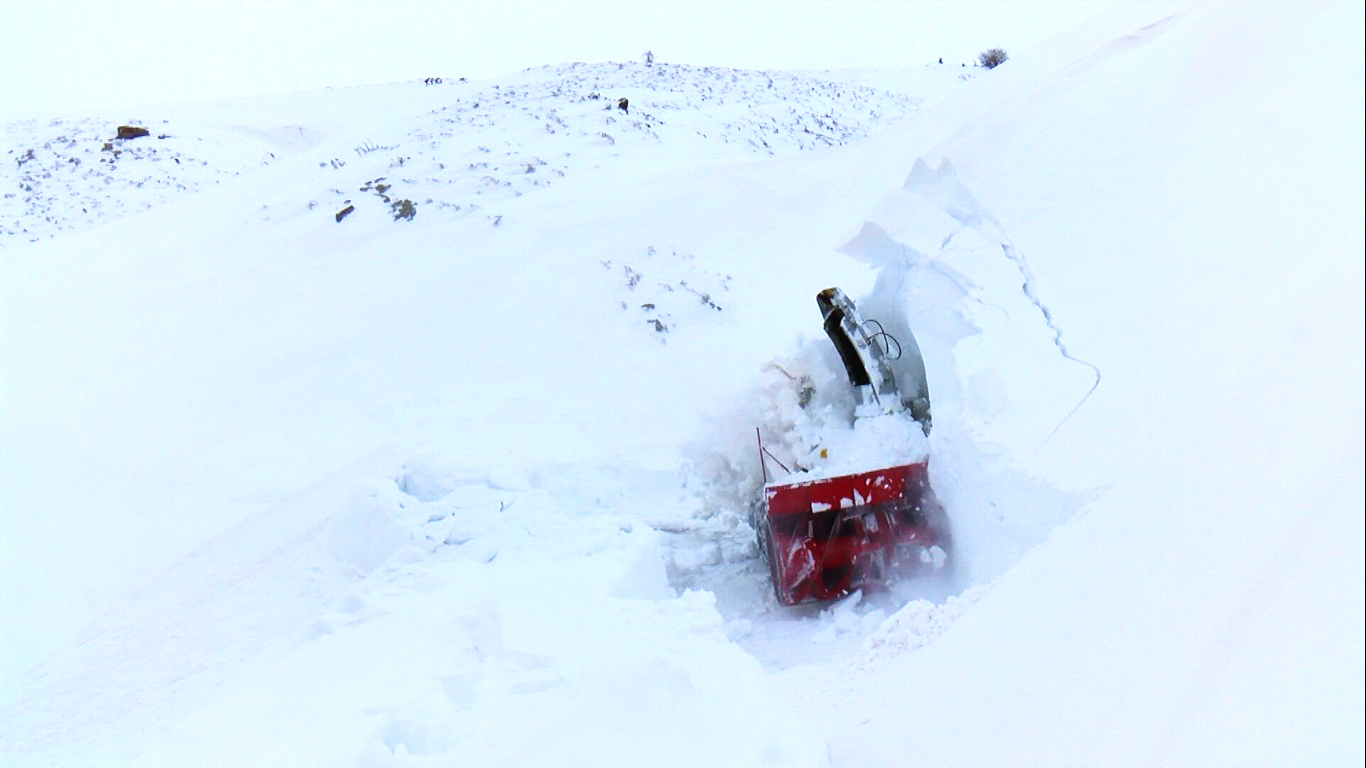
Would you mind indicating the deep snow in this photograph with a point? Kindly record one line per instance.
(470, 488)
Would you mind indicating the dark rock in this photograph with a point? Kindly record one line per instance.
(132, 131)
(343, 213)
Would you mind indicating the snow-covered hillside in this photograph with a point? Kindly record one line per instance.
(297, 474)
(448, 143)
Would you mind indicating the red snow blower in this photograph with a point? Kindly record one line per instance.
(826, 536)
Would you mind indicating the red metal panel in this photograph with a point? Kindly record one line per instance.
(844, 491)
(830, 536)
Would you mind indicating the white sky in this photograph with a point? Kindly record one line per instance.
(68, 55)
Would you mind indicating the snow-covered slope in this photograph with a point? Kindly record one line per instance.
(467, 487)
(459, 145)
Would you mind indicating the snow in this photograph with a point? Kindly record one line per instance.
(472, 488)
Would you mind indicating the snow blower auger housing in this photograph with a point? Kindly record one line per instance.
(826, 534)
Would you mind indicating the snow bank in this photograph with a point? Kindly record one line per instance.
(1147, 193)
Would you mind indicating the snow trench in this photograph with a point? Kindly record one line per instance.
(1001, 382)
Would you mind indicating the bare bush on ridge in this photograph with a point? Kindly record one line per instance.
(992, 57)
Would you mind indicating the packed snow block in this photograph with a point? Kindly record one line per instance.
(643, 573)
(132, 132)
(365, 532)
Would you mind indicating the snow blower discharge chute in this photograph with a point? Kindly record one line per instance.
(826, 535)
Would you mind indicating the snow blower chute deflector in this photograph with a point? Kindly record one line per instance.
(825, 536)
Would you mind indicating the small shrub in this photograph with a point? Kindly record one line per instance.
(403, 209)
(992, 58)
(366, 148)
